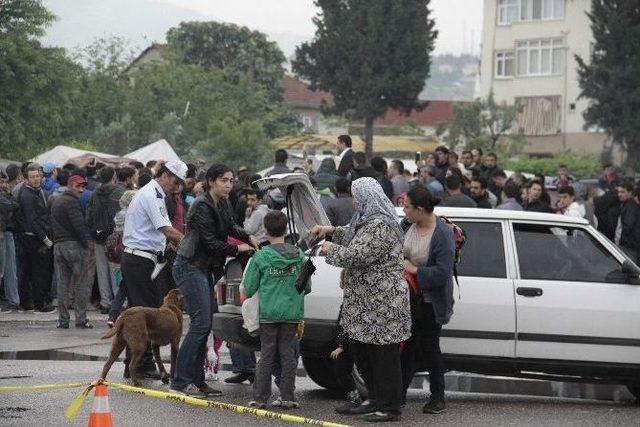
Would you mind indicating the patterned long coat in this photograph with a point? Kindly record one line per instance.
(376, 295)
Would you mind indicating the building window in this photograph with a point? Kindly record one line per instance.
(504, 64)
(540, 57)
(512, 11)
(307, 122)
(508, 11)
(539, 115)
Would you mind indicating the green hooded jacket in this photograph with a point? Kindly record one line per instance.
(273, 271)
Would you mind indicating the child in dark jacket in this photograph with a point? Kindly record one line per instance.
(343, 366)
(273, 272)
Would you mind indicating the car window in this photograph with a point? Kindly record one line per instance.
(483, 252)
(551, 252)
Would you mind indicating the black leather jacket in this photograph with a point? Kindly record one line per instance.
(208, 226)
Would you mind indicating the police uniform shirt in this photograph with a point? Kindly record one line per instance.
(146, 215)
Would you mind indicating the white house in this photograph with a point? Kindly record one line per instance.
(528, 49)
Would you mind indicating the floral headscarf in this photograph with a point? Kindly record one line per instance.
(371, 203)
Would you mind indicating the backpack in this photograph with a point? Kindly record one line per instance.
(114, 247)
(460, 238)
(102, 218)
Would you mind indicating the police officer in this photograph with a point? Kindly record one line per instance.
(147, 228)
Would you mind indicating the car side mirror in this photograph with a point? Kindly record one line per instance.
(631, 271)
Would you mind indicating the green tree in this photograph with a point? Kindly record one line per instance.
(610, 77)
(370, 56)
(484, 122)
(38, 86)
(238, 51)
(236, 145)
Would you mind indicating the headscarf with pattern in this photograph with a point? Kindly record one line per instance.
(371, 203)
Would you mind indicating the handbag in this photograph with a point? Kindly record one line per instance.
(305, 274)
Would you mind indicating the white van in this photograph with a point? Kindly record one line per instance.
(541, 296)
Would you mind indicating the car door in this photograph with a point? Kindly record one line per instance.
(572, 301)
(483, 322)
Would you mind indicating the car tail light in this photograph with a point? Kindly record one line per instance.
(221, 291)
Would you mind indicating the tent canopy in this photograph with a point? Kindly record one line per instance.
(61, 154)
(159, 150)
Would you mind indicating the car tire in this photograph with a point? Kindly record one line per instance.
(321, 371)
(635, 390)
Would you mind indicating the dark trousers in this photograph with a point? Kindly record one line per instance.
(424, 344)
(242, 361)
(380, 369)
(118, 300)
(36, 269)
(276, 339)
(141, 291)
(343, 369)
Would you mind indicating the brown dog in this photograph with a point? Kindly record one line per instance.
(137, 327)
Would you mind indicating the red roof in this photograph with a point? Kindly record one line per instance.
(435, 112)
(297, 94)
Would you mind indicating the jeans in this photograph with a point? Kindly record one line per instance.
(242, 361)
(10, 276)
(380, 368)
(105, 284)
(276, 339)
(197, 296)
(118, 301)
(70, 262)
(425, 343)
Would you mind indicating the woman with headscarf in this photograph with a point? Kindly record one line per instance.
(375, 312)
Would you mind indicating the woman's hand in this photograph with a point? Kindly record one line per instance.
(322, 230)
(409, 267)
(336, 353)
(254, 242)
(243, 247)
(326, 246)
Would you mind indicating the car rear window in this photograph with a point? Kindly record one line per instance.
(483, 253)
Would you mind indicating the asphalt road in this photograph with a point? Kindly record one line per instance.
(47, 408)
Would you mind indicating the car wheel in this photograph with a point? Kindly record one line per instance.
(321, 371)
(635, 390)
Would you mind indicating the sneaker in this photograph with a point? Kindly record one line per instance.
(434, 406)
(62, 325)
(350, 409)
(9, 308)
(208, 391)
(190, 390)
(111, 322)
(85, 325)
(25, 309)
(257, 405)
(285, 404)
(354, 397)
(210, 376)
(46, 309)
(240, 378)
(381, 417)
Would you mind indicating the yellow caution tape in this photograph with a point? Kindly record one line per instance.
(46, 387)
(76, 404)
(219, 405)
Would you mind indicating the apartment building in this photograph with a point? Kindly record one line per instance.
(528, 49)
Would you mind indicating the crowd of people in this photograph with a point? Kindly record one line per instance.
(124, 235)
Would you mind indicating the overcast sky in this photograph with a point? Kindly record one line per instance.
(459, 22)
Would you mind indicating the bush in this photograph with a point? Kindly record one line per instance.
(579, 165)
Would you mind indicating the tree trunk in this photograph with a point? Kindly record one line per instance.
(368, 138)
(633, 158)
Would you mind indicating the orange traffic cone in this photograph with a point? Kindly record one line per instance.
(100, 415)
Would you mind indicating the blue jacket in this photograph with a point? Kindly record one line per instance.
(435, 277)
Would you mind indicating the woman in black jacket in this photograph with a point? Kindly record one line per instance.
(203, 252)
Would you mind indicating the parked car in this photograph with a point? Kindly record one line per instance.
(540, 296)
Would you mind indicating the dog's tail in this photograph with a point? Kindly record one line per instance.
(113, 331)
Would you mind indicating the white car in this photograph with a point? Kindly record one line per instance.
(541, 296)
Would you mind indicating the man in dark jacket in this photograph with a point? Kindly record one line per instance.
(456, 198)
(360, 167)
(340, 210)
(380, 166)
(8, 207)
(478, 192)
(71, 252)
(628, 224)
(345, 155)
(36, 243)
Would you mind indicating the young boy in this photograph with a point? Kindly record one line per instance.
(273, 272)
